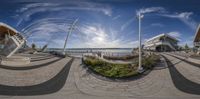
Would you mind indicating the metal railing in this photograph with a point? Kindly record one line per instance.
(197, 44)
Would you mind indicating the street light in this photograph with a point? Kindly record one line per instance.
(140, 69)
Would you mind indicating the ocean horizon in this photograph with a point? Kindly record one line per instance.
(108, 51)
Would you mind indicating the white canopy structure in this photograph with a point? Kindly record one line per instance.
(10, 40)
(197, 37)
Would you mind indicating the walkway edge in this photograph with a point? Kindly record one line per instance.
(196, 61)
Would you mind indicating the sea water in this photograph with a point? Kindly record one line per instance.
(78, 52)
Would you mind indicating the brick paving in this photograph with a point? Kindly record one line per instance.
(178, 81)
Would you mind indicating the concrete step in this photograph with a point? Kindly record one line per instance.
(15, 61)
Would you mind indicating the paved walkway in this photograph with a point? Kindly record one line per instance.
(193, 61)
(161, 83)
(157, 83)
(32, 76)
(187, 70)
(185, 76)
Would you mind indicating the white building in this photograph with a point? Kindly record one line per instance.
(10, 40)
(162, 42)
(196, 41)
(197, 38)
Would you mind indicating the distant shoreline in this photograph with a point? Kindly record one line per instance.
(88, 48)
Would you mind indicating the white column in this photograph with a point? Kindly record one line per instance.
(140, 49)
(70, 30)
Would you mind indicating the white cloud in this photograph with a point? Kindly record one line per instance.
(127, 23)
(143, 11)
(185, 17)
(30, 9)
(175, 34)
(46, 30)
(53, 32)
(151, 10)
(157, 25)
(95, 36)
(188, 41)
(98, 37)
(116, 17)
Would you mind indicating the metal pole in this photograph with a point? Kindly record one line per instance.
(70, 30)
(140, 54)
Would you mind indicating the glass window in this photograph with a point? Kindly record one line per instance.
(8, 47)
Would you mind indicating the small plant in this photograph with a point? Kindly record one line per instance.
(110, 69)
(150, 61)
(127, 57)
(119, 70)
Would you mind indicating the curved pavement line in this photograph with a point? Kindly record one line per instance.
(40, 59)
(99, 88)
(180, 82)
(35, 55)
(48, 87)
(110, 79)
(191, 63)
(29, 67)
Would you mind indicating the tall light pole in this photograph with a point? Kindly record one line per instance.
(69, 32)
(140, 69)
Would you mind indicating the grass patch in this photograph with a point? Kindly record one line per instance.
(150, 61)
(110, 69)
(119, 70)
(127, 57)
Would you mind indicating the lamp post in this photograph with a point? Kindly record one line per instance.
(140, 69)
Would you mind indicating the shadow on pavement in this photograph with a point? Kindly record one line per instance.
(48, 87)
(182, 83)
(29, 67)
(40, 59)
(191, 63)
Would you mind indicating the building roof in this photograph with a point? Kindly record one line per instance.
(4, 28)
(197, 35)
(161, 35)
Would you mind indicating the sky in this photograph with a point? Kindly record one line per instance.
(101, 23)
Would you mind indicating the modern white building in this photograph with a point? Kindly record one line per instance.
(197, 37)
(10, 40)
(196, 41)
(160, 43)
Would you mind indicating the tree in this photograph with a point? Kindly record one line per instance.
(33, 46)
(186, 47)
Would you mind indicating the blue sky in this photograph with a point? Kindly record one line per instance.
(101, 23)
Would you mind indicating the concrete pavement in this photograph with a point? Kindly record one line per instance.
(179, 81)
(185, 76)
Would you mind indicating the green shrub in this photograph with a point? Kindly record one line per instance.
(110, 69)
(150, 61)
(127, 57)
(119, 70)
